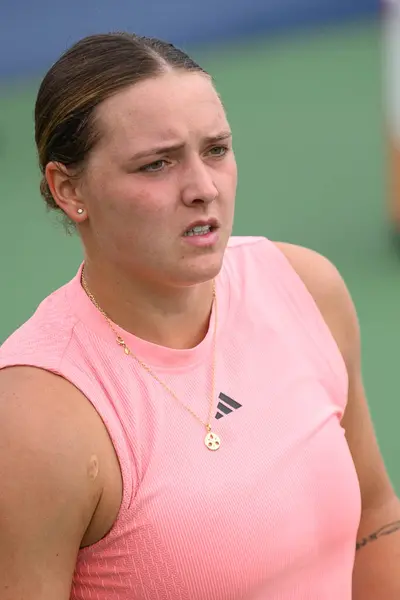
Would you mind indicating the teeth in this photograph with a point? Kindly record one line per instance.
(199, 230)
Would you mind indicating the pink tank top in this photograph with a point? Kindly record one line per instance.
(273, 514)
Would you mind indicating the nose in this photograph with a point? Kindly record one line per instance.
(198, 186)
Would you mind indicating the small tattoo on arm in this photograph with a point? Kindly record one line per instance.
(385, 530)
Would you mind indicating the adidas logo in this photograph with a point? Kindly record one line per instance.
(226, 406)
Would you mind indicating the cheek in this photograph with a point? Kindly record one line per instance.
(130, 199)
(228, 179)
(233, 167)
(150, 202)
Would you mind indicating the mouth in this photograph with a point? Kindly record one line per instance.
(201, 228)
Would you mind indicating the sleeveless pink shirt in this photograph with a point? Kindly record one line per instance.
(273, 514)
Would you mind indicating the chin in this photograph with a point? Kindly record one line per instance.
(202, 270)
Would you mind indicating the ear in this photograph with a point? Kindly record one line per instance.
(65, 188)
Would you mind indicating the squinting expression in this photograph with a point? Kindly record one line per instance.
(164, 162)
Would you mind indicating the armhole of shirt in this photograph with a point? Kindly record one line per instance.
(310, 319)
(125, 458)
(81, 381)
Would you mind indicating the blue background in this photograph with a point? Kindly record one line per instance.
(34, 32)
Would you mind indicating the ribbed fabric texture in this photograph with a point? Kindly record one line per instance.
(273, 514)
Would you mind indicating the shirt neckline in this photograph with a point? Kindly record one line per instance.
(148, 352)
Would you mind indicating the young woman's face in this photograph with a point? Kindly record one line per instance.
(163, 164)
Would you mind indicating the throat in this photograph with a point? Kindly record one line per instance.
(177, 323)
(178, 318)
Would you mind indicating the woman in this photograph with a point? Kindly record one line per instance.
(172, 418)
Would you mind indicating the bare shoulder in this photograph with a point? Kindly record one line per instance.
(35, 401)
(49, 481)
(330, 293)
(318, 273)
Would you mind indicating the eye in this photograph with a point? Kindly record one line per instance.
(154, 167)
(218, 151)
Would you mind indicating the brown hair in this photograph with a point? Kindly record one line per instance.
(88, 73)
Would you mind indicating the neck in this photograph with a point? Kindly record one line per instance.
(174, 317)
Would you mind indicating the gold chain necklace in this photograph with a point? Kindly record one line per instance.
(211, 440)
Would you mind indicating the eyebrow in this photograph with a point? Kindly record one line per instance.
(224, 135)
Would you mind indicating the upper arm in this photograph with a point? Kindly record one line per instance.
(46, 496)
(334, 301)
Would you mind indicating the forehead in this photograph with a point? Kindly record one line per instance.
(170, 105)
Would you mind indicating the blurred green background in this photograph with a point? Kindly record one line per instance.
(307, 116)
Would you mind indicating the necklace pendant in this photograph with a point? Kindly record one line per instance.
(212, 441)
